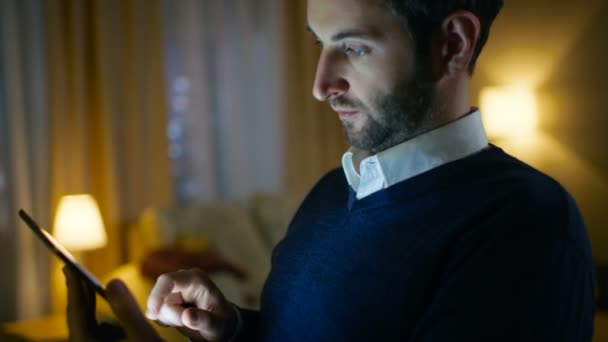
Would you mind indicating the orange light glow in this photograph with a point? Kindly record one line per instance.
(509, 112)
(78, 223)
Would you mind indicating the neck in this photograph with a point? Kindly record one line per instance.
(453, 101)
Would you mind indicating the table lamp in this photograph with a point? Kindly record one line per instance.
(78, 224)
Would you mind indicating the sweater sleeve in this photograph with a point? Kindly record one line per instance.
(524, 274)
(250, 326)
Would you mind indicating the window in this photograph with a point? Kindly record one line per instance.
(224, 125)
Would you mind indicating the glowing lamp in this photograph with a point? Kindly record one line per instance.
(78, 223)
(509, 112)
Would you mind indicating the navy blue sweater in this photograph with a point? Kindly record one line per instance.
(481, 249)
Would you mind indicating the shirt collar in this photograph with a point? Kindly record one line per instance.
(456, 140)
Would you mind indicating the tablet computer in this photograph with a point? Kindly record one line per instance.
(62, 253)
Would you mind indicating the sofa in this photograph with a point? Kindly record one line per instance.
(231, 240)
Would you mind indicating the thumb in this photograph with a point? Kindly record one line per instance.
(128, 313)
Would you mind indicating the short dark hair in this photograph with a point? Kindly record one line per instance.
(423, 17)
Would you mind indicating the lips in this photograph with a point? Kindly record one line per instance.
(346, 113)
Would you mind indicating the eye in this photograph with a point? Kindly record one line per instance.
(359, 52)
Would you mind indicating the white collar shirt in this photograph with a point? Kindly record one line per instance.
(456, 140)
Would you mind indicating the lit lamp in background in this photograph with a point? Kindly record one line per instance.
(78, 224)
(509, 112)
(79, 228)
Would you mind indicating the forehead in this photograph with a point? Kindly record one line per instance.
(331, 15)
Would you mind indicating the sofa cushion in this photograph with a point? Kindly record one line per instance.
(169, 259)
(229, 227)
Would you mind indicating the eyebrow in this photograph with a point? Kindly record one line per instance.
(349, 33)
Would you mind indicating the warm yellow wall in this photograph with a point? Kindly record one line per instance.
(558, 48)
(578, 102)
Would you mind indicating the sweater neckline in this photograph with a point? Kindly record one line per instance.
(420, 184)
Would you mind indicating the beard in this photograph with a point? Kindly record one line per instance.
(392, 118)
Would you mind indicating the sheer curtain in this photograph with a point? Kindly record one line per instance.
(24, 158)
(108, 110)
(223, 82)
(243, 118)
(313, 134)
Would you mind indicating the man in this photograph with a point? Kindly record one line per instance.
(428, 233)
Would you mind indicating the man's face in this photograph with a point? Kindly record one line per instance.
(368, 72)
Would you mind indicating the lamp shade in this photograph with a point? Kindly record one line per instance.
(78, 223)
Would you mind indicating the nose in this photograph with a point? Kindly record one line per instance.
(329, 82)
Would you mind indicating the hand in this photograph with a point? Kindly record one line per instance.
(81, 312)
(190, 301)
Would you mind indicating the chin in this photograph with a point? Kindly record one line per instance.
(358, 141)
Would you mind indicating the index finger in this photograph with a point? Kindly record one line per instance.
(163, 287)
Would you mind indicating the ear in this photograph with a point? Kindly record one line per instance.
(460, 33)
